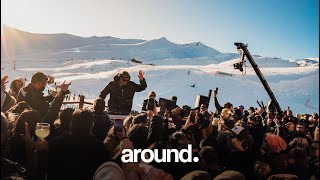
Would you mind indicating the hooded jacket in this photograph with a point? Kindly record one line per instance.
(120, 100)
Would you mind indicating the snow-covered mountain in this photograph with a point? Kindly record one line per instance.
(170, 69)
(20, 44)
(308, 62)
(24, 45)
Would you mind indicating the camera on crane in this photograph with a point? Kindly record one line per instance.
(238, 65)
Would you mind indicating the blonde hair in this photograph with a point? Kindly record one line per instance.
(152, 94)
(225, 113)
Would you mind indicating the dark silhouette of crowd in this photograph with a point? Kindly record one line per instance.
(234, 142)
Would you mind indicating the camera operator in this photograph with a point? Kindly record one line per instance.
(153, 95)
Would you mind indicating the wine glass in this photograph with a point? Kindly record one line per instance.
(42, 130)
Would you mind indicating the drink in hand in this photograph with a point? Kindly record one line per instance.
(42, 130)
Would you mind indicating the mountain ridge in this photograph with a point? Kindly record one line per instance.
(23, 45)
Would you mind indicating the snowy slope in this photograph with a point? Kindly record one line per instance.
(90, 63)
(292, 86)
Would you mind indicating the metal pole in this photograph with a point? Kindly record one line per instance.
(259, 74)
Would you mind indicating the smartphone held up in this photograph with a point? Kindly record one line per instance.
(150, 104)
(118, 125)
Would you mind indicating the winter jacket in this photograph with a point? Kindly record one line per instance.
(120, 100)
(102, 125)
(156, 130)
(72, 157)
(39, 102)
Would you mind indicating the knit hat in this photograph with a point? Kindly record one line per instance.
(275, 143)
(109, 170)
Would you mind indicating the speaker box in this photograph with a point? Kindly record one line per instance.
(201, 100)
(164, 104)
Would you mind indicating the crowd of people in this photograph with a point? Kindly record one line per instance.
(234, 142)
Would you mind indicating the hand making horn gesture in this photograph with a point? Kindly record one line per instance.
(3, 83)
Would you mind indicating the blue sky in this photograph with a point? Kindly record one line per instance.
(282, 28)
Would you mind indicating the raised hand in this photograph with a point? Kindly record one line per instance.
(65, 86)
(3, 83)
(26, 137)
(215, 92)
(140, 75)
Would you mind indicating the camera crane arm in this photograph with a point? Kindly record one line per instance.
(246, 53)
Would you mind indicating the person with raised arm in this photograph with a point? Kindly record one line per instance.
(33, 94)
(122, 91)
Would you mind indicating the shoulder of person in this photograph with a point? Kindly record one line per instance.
(112, 83)
(23, 91)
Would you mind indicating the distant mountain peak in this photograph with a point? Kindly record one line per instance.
(163, 38)
(159, 42)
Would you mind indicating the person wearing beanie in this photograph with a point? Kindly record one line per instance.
(275, 143)
(122, 91)
(272, 147)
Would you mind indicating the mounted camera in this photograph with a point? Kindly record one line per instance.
(238, 66)
(242, 48)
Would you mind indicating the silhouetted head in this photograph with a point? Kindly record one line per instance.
(82, 120)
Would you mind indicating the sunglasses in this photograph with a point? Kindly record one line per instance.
(125, 79)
